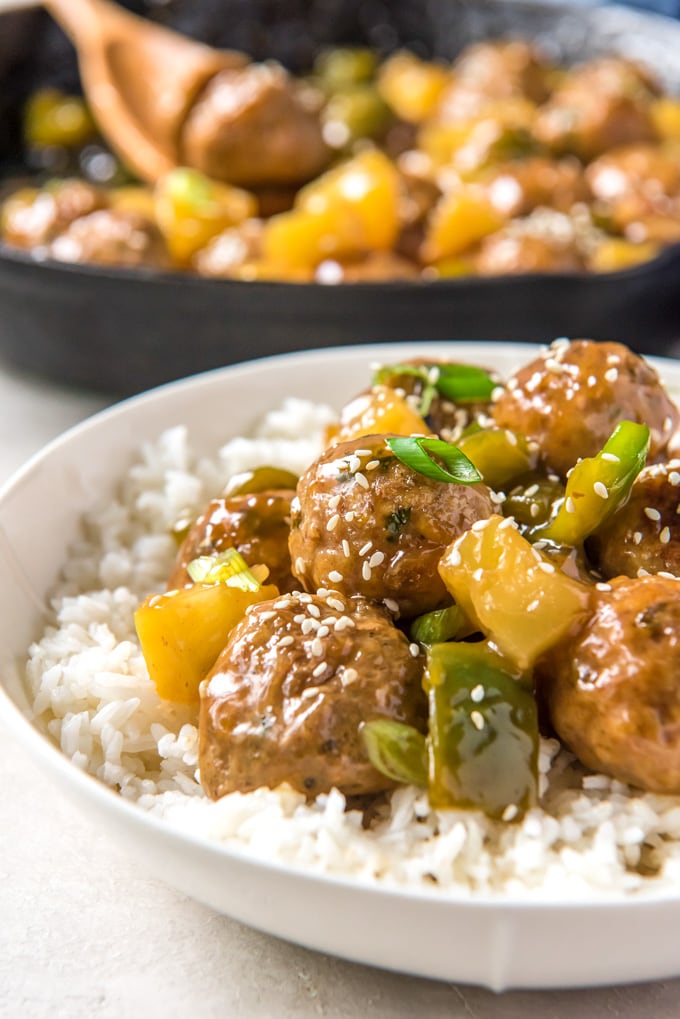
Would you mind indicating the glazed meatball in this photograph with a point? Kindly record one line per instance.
(285, 699)
(111, 237)
(257, 525)
(517, 188)
(571, 397)
(645, 533)
(636, 184)
(493, 71)
(613, 694)
(512, 251)
(253, 127)
(600, 105)
(366, 524)
(33, 219)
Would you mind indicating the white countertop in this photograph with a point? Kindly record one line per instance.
(84, 934)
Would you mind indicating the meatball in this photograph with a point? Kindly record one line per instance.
(285, 700)
(600, 105)
(229, 251)
(637, 185)
(366, 524)
(571, 397)
(257, 525)
(32, 219)
(111, 237)
(519, 187)
(493, 71)
(512, 251)
(613, 694)
(253, 127)
(645, 533)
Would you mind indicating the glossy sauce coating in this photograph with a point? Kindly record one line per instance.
(285, 699)
(613, 693)
(571, 397)
(368, 525)
(256, 525)
(645, 533)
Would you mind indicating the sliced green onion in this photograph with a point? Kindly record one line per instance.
(464, 383)
(396, 750)
(228, 567)
(418, 453)
(460, 383)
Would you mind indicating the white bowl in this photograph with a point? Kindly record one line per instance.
(480, 940)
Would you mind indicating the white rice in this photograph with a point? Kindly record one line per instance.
(91, 692)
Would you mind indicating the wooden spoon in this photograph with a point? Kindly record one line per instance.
(140, 78)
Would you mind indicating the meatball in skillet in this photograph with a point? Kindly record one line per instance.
(257, 525)
(111, 237)
(366, 524)
(613, 695)
(645, 533)
(253, 127)
(571, 397)
(285, 699)
(34, 218)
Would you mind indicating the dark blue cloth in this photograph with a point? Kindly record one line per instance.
(671, 7)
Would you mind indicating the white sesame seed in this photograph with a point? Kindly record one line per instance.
(366, 548)
(391, 604)
(674, 478)
(323, 631)
(508, 522)
(497, 497)
(534, 509)
(511, 437)
(362, 452)
(371, 465)
(343, 623)
(265, 616)
(349, 676)
(376, 559)
(354, 464)
(335, 603)
(308, 625)
(592, 381)
(299, 565)
(361, 479)
(314, 610)
(321, 592)
(349, 517)
(477, 719)
(309, 692)
(316, 647)
(652, 513)
(601, 489)
(366, 571)
(531, 490)
(665, 536)
(667, 576)
(637, 537)
(510, 812)
(345, 548)
(414, 650)
(642, 573)
(603, 587)
(286, 641)
(547, 567)
(611, 374)
(333, 522)
(335, 576)
(477, 693)
(319, 670)
(284, 603)
(299, 618)
(611, 458)
(333, 502)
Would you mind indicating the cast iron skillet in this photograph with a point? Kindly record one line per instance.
(121, 331)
